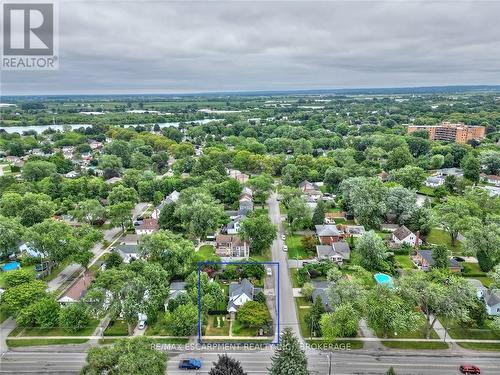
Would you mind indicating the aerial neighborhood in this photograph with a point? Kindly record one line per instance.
(175, 232)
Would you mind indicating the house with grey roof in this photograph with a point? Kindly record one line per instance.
(176, 288)
(478, 287)
(320, 290)
(328, 233)
(240, 292)
(434, 181)
(424, 260)
(492, 302)
(128, 252)
(336, 251)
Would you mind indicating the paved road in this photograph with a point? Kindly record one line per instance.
(257, 362)
(288, 316)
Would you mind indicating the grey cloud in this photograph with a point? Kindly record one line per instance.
(152, 46)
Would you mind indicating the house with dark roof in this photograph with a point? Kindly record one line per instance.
(492, 302)
(176, 288)
(240, 292)
(424, 260)
(128, 252)
(310, 190)
(404, 236)
(320, 290)
(336, 252)
(328, 233)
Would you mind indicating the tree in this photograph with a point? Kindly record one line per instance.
(334, 176)
(30, 208)
(199, 213)
(318, 217)
(288, 357)
(343, 322)
(391, 371)
(454, 215)
(90, 211)
(471, 167)
(440, 257)
(167, 219)
(17, 298)
(183, 320)
(126, 356)
(437, 161)
(226, 366)
(173, 252)
(253, 314)
(41, 313)
(10, 235)
(437, 295)
(307, 290)
(18, 277)
(372, 251)
(74, 317)
(398, 158)
(484, 243)
(120, 214)
(313, 317)
(259, 231)
(346, 291)
(494, 274)
(114, 260)
(262, 186)
(298, 214)
(410, 177)
(121, 194)
(309, 243)
(133, 302)
(402, 203)
(387, 312)
(36, 170)
(366, 198)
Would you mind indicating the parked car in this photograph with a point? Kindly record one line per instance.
(285, 248)
(283, 237)
(469, 369)
(190, 364)
(269, 271)
(142, 324)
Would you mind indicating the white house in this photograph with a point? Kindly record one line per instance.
(492, 302)
(128, 252)
(434, 182)
(404, 236)
(239, 294)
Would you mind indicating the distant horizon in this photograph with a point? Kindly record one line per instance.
(398, 90)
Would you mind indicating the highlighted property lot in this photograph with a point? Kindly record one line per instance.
(247, 309)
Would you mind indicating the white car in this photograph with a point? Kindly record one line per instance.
(283, 237)
(285, 248)
(269, 271)
(142, 324)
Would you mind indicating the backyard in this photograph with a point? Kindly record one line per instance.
(295, 248)
(217, 326)
(441, 237)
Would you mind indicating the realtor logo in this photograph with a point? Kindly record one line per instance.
(29, 36)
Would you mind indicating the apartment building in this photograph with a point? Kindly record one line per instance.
(452, 132)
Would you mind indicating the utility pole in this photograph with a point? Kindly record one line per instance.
(329, 363)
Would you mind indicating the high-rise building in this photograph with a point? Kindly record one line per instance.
(447, 131)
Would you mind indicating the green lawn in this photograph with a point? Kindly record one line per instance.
(404, 261)
(265, 257)
(293, 275)
(206, 253)
(458, 331)
(415, 345)
(16, 343)
(295, 248)
(58, 331)
(479, 346)
(301, 314)
(213, 330)
(240, 330)
(419, 333)
(441, 237)
(116, 328)
(426, 190)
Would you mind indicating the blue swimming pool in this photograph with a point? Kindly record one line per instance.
(11, 266)
(383, 279)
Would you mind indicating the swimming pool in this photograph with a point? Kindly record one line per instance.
(11, 266)
(383, 279)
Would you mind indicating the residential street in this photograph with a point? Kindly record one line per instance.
(287, 314)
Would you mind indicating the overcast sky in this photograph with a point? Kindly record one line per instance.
(188, 46)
